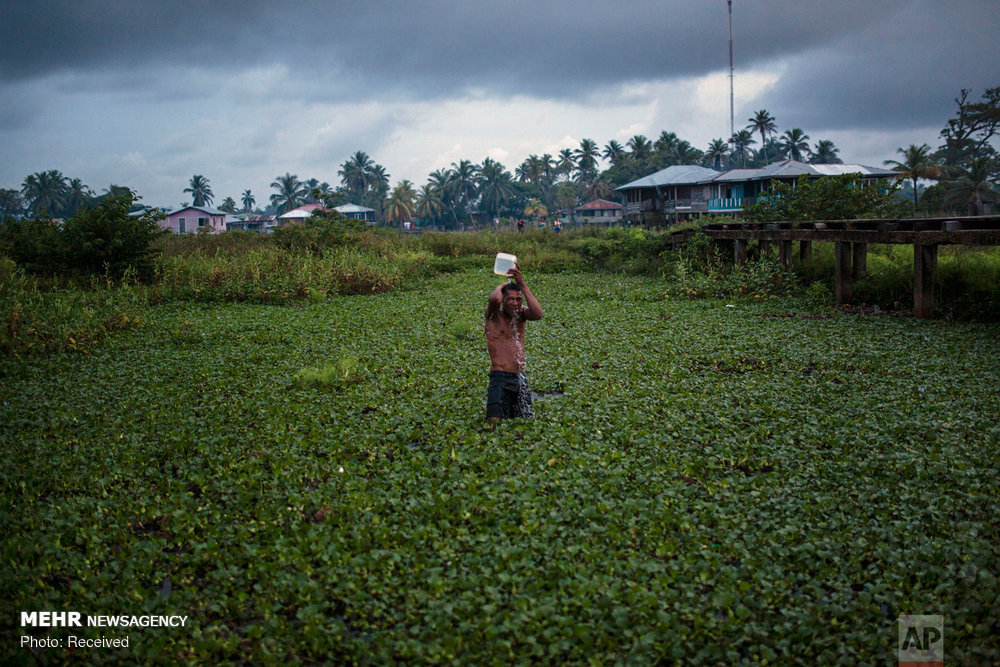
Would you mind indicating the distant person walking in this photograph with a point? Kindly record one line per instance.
(520, 226)
(557, 225)
(509, 307)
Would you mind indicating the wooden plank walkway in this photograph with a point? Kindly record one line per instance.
(851, 239)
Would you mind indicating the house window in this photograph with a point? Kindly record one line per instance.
(180, 225)
(202, 222)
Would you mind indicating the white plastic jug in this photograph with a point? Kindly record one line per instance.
(504, 263)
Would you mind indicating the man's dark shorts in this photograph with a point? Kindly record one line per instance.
(508, 396)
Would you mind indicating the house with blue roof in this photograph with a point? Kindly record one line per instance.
(682, 192)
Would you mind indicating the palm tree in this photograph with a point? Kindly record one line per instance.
(685, 153)
(718, 149)
(291, 192)
(795, 144)
(595, 189)
(354, 175)
(116, 191)
(465, 174)
(566, 162)
(11, 203)
(312, 186)
(973, 187)
(567, 196)
(763, 122)
(742, 140)
(248, 201)
(640, 147)
(430, 206)
(378, 180)
(200, 190)
(614, 153)
(44, 192)
(401, 203)
(443, 183)
(665, 147)
(535, 208)
(228, 205)
(586, 158)
(532, 170)
(77, 196)
(825, 153)
(549, 170)
(916, 164)
(495, 186)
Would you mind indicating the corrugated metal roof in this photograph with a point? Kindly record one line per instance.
(839, 169)
(693, 175)
(353, 208)
(599, 205)
(205, 209)
(785, 169)
(792, 169)
(678, 174)
(736, 175)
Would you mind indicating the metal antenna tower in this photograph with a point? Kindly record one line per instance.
(732, 74)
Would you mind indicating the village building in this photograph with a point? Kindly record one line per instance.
(600, 211)
(192, 219)
(682, 192)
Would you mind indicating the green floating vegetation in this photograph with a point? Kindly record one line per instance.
(344, 369)
(733, 480)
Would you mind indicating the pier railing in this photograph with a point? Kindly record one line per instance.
(851, 239)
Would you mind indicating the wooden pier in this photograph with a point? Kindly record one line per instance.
(852, 238)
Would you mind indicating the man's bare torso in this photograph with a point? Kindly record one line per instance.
(505, 341)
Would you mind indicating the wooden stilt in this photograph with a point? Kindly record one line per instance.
(859, 260)
(842, 271)
(740, 251)
(924, 263)
(805, 250)
(785, 253)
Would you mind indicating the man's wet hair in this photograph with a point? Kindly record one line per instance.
(509, 287)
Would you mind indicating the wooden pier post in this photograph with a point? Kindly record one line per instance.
(764, 247)
(785, 253)
(805, 250)
(740, 251)
(842, 271)
(924, 263)
(859, 260)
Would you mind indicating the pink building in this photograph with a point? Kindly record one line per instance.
(191, 219)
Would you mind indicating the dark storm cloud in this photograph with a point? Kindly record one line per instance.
(427, 49)
(902, 72)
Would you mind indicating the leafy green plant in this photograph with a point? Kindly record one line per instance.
(99, 240)
(464, 330)
(719, 482)
(344, 369)
(826, 198)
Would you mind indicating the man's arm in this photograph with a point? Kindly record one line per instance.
(494, 303)
(533, 309)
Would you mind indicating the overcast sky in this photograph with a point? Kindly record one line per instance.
(147, 93)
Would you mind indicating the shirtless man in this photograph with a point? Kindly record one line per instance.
(506, 313)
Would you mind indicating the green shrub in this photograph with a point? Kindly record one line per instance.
(35, 245)
(99, 240)
(105, 239)
(318, 234)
